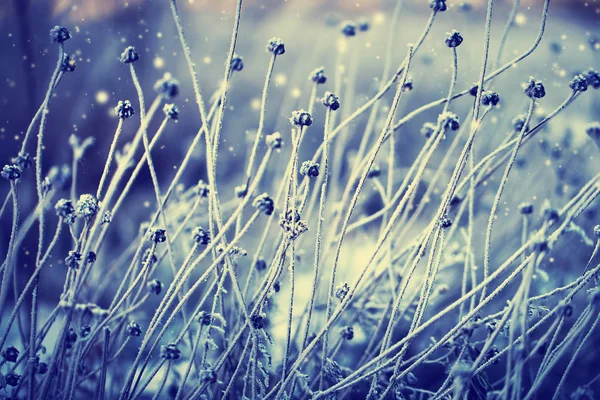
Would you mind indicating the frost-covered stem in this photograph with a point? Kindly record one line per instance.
(261, 120)
(373, 155)
(238, 368)
(507, 28)
(111, 154)
(318, 235)
(9, 261)
(163, 382)
(100, 388)
(290, 313)
(500, 190)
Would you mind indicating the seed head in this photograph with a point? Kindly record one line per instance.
(276, 46)
(85, 330)
(437, 5)
(170, 352)
(374, 172)
(364, 25)
(10, 354)
(158, 236)
(237, 63)
(579, 83)
(490, 98)
(11, 172)
(129, 55)
(73, 259)
(59, 34)
(133, 329)
(261, 264)
(428, 129)
(264, 203)
(597, 231)
(155, 286)
(241, 191)
(171, 111)
(12, 379)
(342, 291)
(449, 120)
(42, 368)
(318, 76)
(408, 85)
(593, 78)
(259, 321)
(202, 189)
(592, 130)
(453, 39)
(201, 236)
(23, 161)
(310, 169)
(124, 109)
(331, 101)
(347, 333)
(519, 122)
(445, 222)
(526, 208)
(549, 213)
(167, 86)
(64, 208)
(535, 89)
(91, 257)
(274, 141)
(68, 64)
(348, 28)
(301, 118)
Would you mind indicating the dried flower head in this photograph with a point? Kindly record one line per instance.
(259, 321)
(526, 208)
(64, 208)
(261, 264)
(133, 329)
(301, 118)
(170, 352)
(158, 235)
(59, 34)
(73, 259)
(310, 169)
(237, 63)
(374, 172)
(331, 101)
(342, 291)
(274, 141)
(201, 236)
(428, 129)
(91, 257)
(363, 25)
(68, 64)
(318, 76)
(593, 78)
(155, 286)
(87, 206)
(10, 354)
(276, 46)
(445, 222)
(490, 98)
(129, 55)
(202, 189)
(347, 333)
(449, 120)
(518, 122)
(241, 191)
(167, 86)
(171, 111)
(534, 89)
(264, 204)
(124, 109)
(453, 39)
(597, 231)
(23, 161)
(348, 28)
(579, 83)
(437, 5)
(11, 172)
(12, 379)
